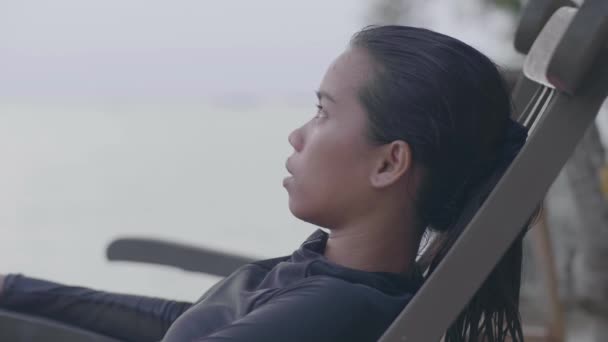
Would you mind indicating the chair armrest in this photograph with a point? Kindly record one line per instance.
(186, 257)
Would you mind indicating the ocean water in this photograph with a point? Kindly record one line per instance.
(75, 177)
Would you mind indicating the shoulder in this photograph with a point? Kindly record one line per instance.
(324, 285)
(323, 291)
(315, 308)
(335, 309)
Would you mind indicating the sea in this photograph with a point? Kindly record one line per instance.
(76, 177)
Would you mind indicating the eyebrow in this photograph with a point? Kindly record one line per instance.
(323, 94)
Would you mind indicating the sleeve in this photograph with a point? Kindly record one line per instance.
(316, 311)
(125, 317)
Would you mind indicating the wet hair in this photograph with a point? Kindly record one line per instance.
(450, 103)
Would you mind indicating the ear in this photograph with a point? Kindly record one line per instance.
(394, 160)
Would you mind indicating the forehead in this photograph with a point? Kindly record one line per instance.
(347, 74)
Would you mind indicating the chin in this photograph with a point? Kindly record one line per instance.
(306, 214)
(298, 210)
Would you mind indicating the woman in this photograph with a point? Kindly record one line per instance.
(411, 132)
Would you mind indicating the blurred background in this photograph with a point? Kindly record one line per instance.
(169, 119)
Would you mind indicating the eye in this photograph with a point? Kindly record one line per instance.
(320, 112)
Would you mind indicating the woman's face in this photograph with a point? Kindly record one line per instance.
(332, 157)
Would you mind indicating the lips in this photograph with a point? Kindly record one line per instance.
(288, 167)
(287, 179)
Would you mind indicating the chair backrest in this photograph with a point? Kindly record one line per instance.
(532, 21)
(565, 100)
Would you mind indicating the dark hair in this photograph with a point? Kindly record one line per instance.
(451, 105)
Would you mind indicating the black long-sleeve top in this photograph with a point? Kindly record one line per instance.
(302, 297)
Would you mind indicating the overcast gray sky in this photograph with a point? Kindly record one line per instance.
(160, 50)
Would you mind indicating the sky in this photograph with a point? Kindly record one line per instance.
(111, 49)
(192, 50)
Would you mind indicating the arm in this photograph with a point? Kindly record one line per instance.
(316, 311)
(126, 317)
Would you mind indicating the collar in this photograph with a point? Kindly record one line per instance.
(312, 250)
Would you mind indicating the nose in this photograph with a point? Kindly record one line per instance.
(295, 139)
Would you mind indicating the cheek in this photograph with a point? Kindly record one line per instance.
(331, 178)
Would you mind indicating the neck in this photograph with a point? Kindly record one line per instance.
(374, 245)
